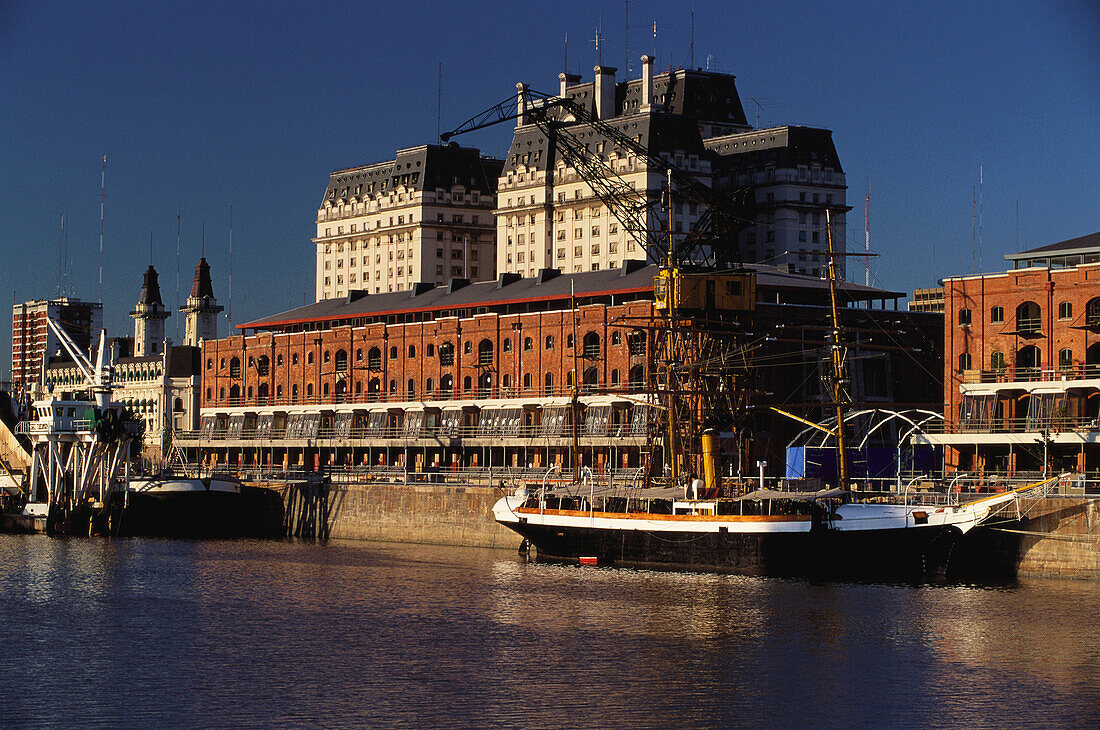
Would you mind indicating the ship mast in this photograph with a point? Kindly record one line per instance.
(837, 357)
(670, 354)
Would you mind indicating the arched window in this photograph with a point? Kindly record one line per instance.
(393, 388)
(309, 358)
(964, 316)
(548, 384)
(327, 358)
(1028, 317)
(637, 378)
(393, 353)
(997, 314)
(429, 350)
(324, 389)
(485, 385)
(278, 392)
(235, 368)
(616, 338)
(263, 366)
(964, 361)
(1092, 361)
(591, 378)
(411, 389)
(1065, 359)
(341, 361)
(997, 362)
(412, 351)
(309, 390)
(446, 385)
(359, 354)
(262, 392)
(359, 387)
(527, 381)
(374, 359)
(428, 385)
(1028, 362)
(221, 365)
(485, 353)
(235, 394)
(1092, 313)
(615, 378)
(467, 383)
(636, 342)
(447, 353)
(278, 360)
(341, 391)
(374, 389)
(569, 342)
(294, 393)
(549, 342)
(294, 359)
(528, 344)
(1065, 310)
(505, 382)
(506, 346)
(467, 347)
(592, 346)
(210, 364)
(209, 392)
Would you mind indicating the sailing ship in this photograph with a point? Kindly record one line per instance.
(691, 519)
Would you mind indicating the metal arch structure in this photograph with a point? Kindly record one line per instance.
(916, 418)
(712, 239)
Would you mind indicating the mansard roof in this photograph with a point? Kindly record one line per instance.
(425, 167)
(202, 286)
(1082, 244)
(784, 147)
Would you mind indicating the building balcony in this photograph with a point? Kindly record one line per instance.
(1026, 378)
(1029, 431)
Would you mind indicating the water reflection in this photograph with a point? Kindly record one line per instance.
(343, 633)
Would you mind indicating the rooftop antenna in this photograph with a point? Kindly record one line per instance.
(1017, 225)
(626, 35)
(102, 195)
(691, 51)
(596, 40)
(229, 309)
(979, 219)
(177, 271)
(439, 102)
(565, 66)
(754, 101)
(150, 248)
(867, 235)
(60, 254)
(655, 40)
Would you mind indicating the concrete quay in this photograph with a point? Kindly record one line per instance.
(1059, 537)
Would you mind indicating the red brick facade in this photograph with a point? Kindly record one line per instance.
(402, 362)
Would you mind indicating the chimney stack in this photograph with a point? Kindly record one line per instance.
(647, 81)
(605, 92)
(565, 80)
(521, 104)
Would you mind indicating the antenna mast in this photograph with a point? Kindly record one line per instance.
(867, 235)
(102, 195)
(177, 272)
(980, 175)
(439, 102)
(229, 309)
(691, 54)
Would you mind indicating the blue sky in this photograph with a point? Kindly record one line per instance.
(199, 106)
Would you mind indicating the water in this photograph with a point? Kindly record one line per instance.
(238, 633)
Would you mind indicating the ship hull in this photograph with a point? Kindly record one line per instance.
(938, 552)
(251, 512)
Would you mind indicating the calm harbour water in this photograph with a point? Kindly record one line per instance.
(238, 633)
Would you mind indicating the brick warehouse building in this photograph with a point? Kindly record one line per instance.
(479, 374)
(1022, 363)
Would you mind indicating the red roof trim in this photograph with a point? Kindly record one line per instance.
(268, 325)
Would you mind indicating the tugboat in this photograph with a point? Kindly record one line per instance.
(81, 480)
(697, 524)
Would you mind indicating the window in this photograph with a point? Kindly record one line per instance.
(294, 359)
(393, 353)
(507, 345)
(528, 344)
(526, 381)
(636, 342)
(341, 361)
(548, 384)
(997, 314)
(964, 361)
(412, 351)
(1028, 317)
(1065, 310)
(964, 317)
(263, 366)
(467, 347)
(309, 358)
(485, 353)
(235, 368)
(616, 338)
(446, 354)
(374, 359)
(592, 346)
(997, 362)
(1065, 360)
(549, 342)
(429, 351)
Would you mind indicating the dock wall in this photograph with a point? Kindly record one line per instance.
(1061, 538)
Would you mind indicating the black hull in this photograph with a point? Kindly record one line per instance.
(907, 555)
(254, 512)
